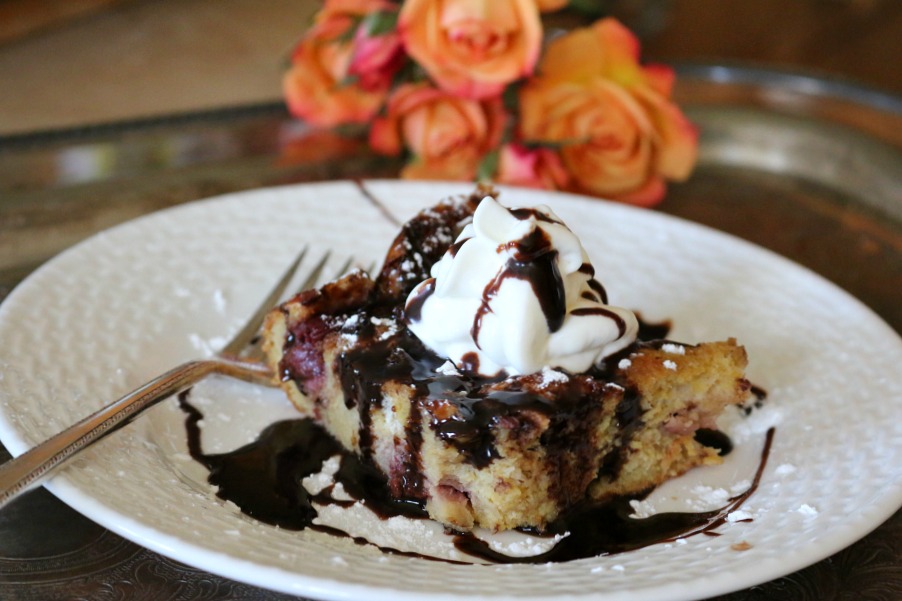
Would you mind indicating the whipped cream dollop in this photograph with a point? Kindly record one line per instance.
(516, 293)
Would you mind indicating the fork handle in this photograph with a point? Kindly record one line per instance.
(29, 469)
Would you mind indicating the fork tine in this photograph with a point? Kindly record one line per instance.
(344, 268)
(250, 329)
(311, 279)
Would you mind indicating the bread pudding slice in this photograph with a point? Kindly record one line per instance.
(502, 451)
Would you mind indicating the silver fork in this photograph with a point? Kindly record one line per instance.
(29, 469)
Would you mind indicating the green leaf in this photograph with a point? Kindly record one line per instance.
(510, 97)
(594, 8)
(488, 166)
(348, 81)
(379, 23)
(348, 34)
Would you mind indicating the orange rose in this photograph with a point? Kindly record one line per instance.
(447, 135)
(472, 48)
(532, 168)
(339, 73)
(619, 134)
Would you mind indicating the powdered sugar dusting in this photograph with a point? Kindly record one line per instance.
(739, 515)
(523, 545)
(641, 509)
(674, 349)
(318, 482)
(550, 376)
(807, 510)
(785, 469)
(348, 330)
(390, 326)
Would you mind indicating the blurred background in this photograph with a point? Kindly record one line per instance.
(69, 63)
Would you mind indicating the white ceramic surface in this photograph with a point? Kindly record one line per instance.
(115, 310)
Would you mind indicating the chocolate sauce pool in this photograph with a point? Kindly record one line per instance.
(264, 478)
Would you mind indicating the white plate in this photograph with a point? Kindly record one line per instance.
(109, 313)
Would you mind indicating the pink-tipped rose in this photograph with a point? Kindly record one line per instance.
(472, 48)
(618, 133)
(447, 135)
(531, 168)
(339, 72)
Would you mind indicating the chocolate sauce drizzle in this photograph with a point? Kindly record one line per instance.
(264, 478)
(534, 260)
(414, 309)
(589, 269)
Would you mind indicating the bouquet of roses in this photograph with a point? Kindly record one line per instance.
(475, 89)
